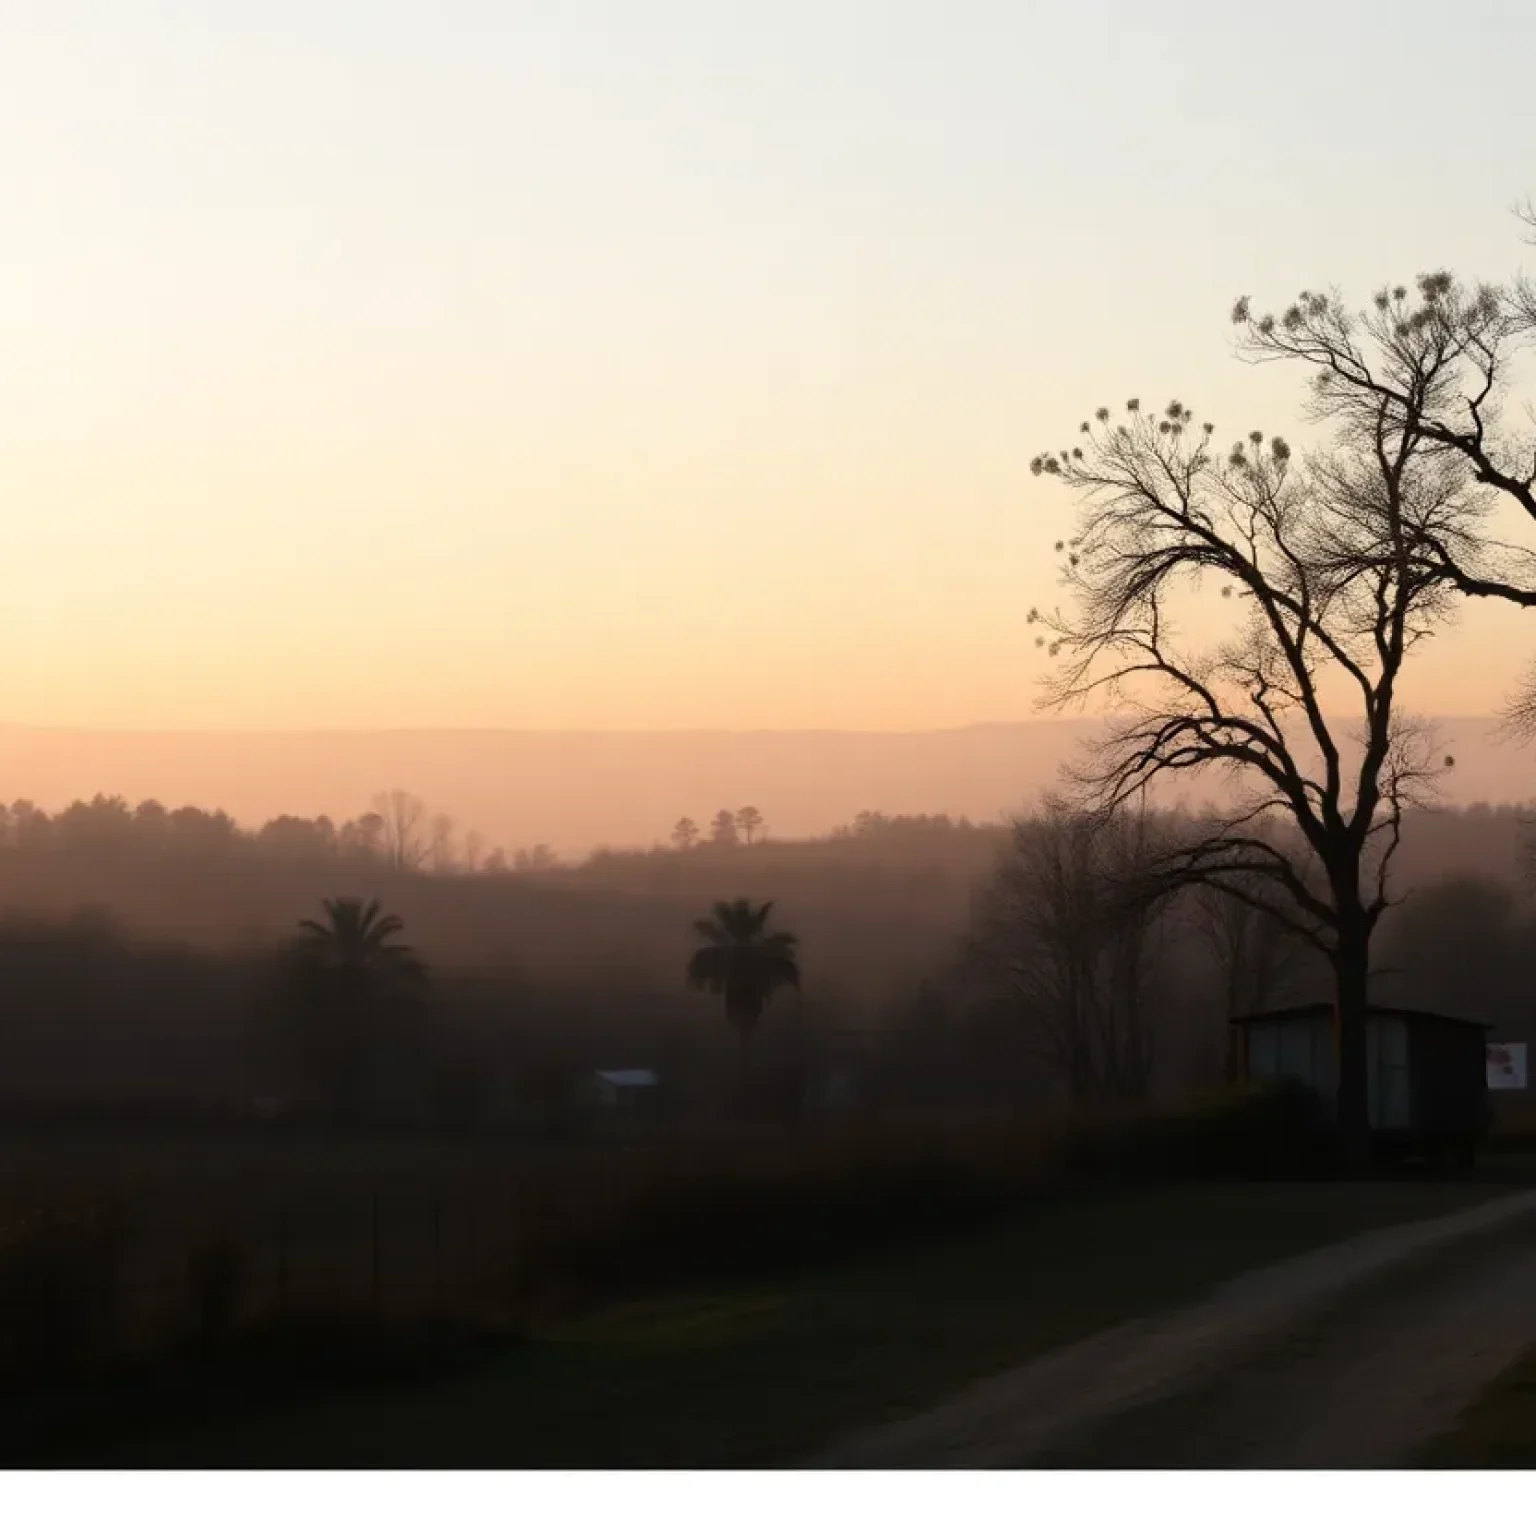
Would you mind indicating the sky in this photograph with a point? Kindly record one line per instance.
(470, 363)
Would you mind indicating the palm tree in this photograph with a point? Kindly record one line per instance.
(741, 961)
(353, 976)
(356, 940)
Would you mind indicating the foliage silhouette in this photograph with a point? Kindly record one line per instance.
(354, 980)
(744, 963)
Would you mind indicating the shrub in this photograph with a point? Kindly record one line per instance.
(1269, 1131)
(217, 1276)
(738, 1222)
(60, 1283)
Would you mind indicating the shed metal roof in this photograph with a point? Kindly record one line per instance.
(1376, 1010)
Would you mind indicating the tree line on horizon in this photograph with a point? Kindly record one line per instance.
(399, 832)
(728, 829)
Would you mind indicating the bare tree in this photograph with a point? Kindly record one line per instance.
(1324, 566)
(685, 834)
(363, 838)
(442, 843)
(474, 850)
(749, 821)
(1251, 947)
(1435, 363)
(541, 857)
(403, 816)
(1253, 951)
(1065, 940)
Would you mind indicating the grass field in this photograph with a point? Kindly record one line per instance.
(749, 1374)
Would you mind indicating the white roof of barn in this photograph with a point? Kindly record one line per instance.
(638, 1077)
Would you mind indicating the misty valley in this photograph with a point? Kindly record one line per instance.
(309, 1112)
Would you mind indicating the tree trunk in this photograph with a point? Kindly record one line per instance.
(744, 1087)
(1351, 964)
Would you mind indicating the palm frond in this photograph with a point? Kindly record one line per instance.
(741, 960)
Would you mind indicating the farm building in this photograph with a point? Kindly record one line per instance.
(628, 1090)
(1428, 1074)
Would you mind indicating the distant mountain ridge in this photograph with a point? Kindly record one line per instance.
(579, 789)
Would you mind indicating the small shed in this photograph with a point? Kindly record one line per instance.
(1427, 1086)
(624, 1089)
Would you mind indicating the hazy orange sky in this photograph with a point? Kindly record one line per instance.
(608, 365)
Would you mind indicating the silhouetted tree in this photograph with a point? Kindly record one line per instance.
(474, 850)
(684, 835)
(749, 820)
(1462, 945)
(402, 815)
(1436, 364)
(30, 826)
(151, 824)
(362, 840)
(442, 843)
(722, 830)
(1252, 951)
(103, 825)
(744, 963)
(1441, 359)
(540, 857)
(298, 839)
(199, 836)
(1065, 942)
(1325, 565)
(355, 978)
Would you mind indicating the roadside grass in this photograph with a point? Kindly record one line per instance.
(751, 1374)
(1498, 1432)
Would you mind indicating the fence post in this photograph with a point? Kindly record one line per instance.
(437, 1255)
(282, 1259)
(375, 1250)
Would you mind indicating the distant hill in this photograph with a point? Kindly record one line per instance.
(576, 790)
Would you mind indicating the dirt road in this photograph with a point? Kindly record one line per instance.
(1350, 1357)
(1364, 1385)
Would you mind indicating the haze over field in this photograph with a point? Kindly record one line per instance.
(578, 790)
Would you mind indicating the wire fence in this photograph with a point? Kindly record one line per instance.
(80, 1285)
(167, 1247)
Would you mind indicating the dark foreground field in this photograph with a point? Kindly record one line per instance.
(757, 1362)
